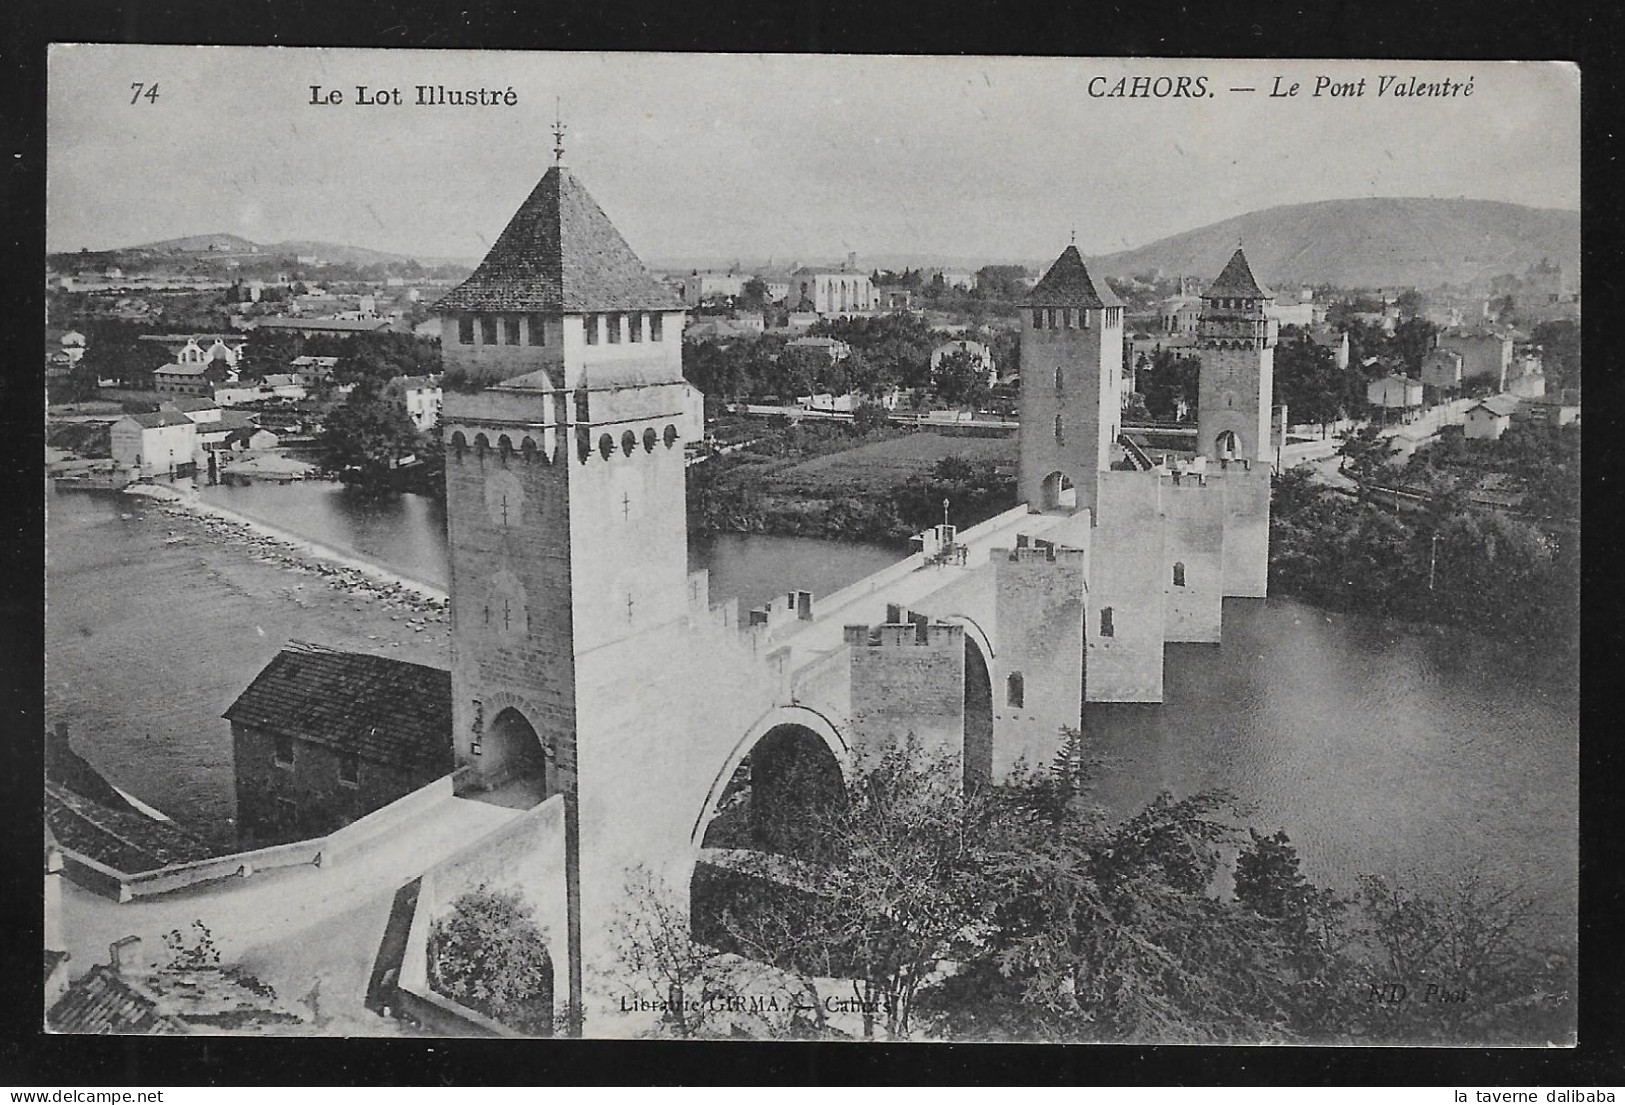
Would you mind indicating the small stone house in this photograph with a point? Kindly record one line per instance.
(322, 737)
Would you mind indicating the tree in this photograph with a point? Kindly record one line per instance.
(960, 380)
(366, 434)
(869, 417)
(1172, 378)
(489, 954)
(1366, 452)
(1308, 380)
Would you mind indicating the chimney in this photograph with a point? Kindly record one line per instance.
(125, 956)
(852, 259)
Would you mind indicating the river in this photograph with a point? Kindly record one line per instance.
(1410, 752)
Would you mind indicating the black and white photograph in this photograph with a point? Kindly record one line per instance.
(811, 547)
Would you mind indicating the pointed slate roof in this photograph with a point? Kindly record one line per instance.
(560, 252)
(1068, 284)
(1237, 281)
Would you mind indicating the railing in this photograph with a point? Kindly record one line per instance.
(1140, 458)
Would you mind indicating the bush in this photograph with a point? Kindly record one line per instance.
(490, 955)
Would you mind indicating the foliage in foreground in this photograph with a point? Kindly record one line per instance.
(1024, 912)
(489, 954)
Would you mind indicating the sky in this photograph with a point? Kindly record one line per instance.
(788, 157)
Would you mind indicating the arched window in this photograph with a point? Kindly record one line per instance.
(606, 446)
(649, 439)
(1060, 431)
(1106, 627)
(629, 441)
(1179, 573)
(1015, 691)
(670, 436)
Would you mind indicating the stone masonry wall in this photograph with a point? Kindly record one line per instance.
(1040, 596)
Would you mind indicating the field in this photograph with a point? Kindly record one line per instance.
(879, 467)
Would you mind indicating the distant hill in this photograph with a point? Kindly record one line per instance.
(201, 243)
(1368, 243)
(331, 252)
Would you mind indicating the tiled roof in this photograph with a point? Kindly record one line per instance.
(102, 1003)
(53, 960)
(1237, 281)
(122, 839)
(1068, 284)
(182, 369)
(560, 252)
(185, 403)
(160, 418)
(281, 380)
(316, 362)
(1498, 404)
(334, 324)
(384, 710)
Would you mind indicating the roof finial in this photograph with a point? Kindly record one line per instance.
(1074, 233)
(558, 133)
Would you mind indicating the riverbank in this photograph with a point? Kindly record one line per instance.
(345, 573)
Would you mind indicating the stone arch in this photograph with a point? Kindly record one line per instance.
(481, 444)
(527, 448)
(459, 443)
(780, 717)
(504, 447)
(1058, 493)
(512, 757)
(976, 751)
(1227, 445)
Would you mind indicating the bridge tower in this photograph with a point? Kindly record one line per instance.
(565, 504)
(1071, 362)
(1236, 337)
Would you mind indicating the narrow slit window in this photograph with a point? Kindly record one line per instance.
(1015, 691)
(1179, 573)
(590, 324)
(1106, 627)
(1060, 431)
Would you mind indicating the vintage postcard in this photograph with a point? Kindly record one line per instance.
(812, 547)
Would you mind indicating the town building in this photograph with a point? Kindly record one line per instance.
(702, 287)
(974, 349)
(1394, 392)
(1332, 339)
(283, 385)
(313, 371)
(831, 291)
(422, 397)
(336, 327)
(1486, 355)
(321, 738)
(161, 443)
(1489, 418)
(187, 379)
(1442, 370)
(833, 348)
(1179, 314)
